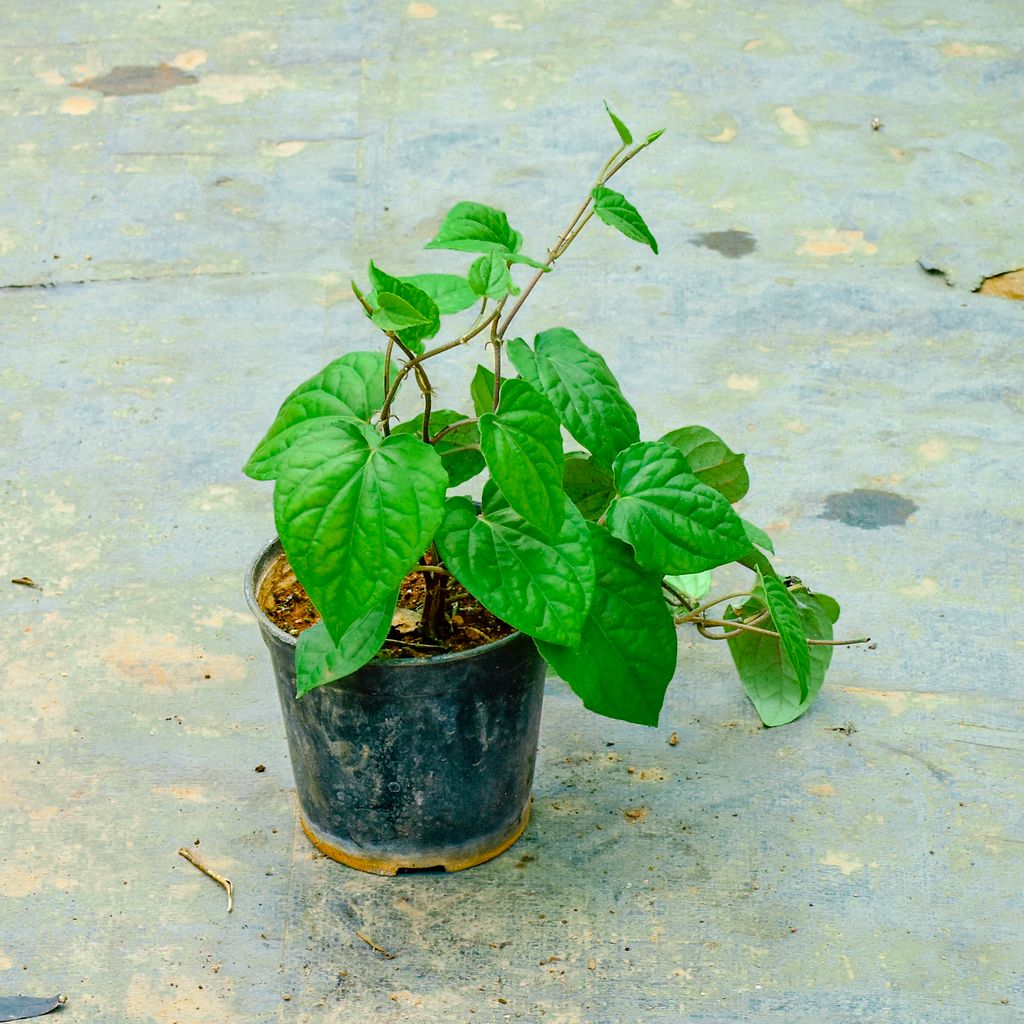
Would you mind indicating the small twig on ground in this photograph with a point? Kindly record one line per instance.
(473, 631)
(373, 945)
(219, 879)
(27, 581)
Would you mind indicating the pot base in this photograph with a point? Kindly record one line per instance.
(457, 859)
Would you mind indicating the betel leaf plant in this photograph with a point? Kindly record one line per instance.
(597, 552)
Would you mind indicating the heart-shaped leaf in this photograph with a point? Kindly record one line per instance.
(618, 212)
(589, 485)
(786, 617)
(626, 656)
(473, 227)
(489, 276)
(459, 448)
(451, 293)
(675, 523)
(711, 460)
(354, 511)
(522, 445)
(541, 586)
(405, 296)
(581, 387)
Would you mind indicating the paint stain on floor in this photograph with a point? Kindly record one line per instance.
(137, 79)
(1004, 286)
(868, 509)
(732, 244)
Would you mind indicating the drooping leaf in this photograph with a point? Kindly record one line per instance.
(541, 586)
(459, 449)
(589, 485)
(675, 523)
(829, 605)
(766, 672)
(354, 511)
(786, 618)
(393, 313)
(758, 536)
(711, 460)
(522, 446)
(624, 133)
(627, 651)
(489, 276)
(413, 335)
(481, 390)
(618, 212)
(581, 387)
(694, 585)
(451, 293)
(350, 386)
(473, 227)
(518, 257)
(319, 660)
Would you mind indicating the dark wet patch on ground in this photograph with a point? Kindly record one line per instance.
(137, 79)
(868, 509)
(732, 244)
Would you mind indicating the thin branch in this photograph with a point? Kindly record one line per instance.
(219, 879)
(451, 426)
(373, 945)
(701, 609)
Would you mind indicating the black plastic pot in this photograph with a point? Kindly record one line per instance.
(412, 763)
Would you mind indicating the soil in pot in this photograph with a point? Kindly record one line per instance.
(286, 604)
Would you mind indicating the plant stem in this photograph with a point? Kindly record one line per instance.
(435, 617)
(701, 609)
(738, 626)
(451, 426)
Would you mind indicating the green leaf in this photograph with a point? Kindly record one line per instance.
(489, 276)
(318, 660)
(589, 485)
(522, 445)
(354, 511)
(786, 618)
(626, 656)
(459, 449)
(711, 460)
(393, 313)
(829, 605)
(473, 227)
(491, 498)
(767, 674)
(675, 523)
(541, 586)
(581, 387)
(518, 257)
(481, 390)
(758, 536)
(618, 212)
(694, 585)
(624, 133)
(413, 335)
(351, 386)
(450, 293)
(654, 136)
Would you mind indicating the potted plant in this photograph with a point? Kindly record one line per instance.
(410, 625)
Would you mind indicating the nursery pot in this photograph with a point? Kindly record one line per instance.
(411, 763)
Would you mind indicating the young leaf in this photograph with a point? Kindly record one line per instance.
(319, 660)
(618, 212)
(413, 335)
(624, 133)
(711, 460)
(766, 673)
(459, 449)
(522, 446)
(393, 313)
(626, 656)
(518, 257)
(654, 136)
(694, 585)
(350, 386)
(675, 523)
(473, 227)
(354, 511)
(541, 586)
(758, 536)
(589, 485)
(786, 618)
(481, 390)
(581, 387)
(451, 293)
(489, 276)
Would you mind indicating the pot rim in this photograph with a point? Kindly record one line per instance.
(256, 572)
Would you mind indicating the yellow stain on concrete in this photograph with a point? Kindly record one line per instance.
(742, 382)
(178, 1000)
(483, 56)
(822, 789)
(165, 663)
(190, 794)
(753, 44)
(925, 587)
(834, 242)
(423, 12)
(505, 22)
(726, 135)
(983, 50)
(796, 427)
(934, 450)
(78, 105)
(51, 77)
(793, 125)
(229, 89)
(285, 149)
(846, 862)
(5, 961)
(897, 701)
(1004, 286)
(189, 60)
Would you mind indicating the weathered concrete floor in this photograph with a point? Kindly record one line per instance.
(174, 261)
